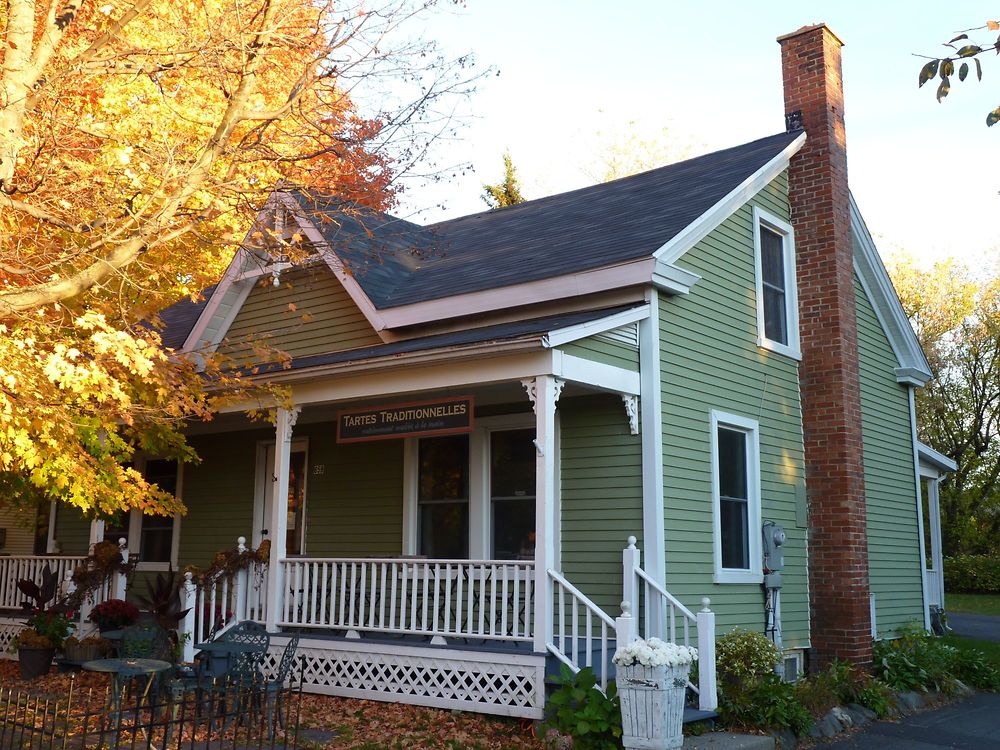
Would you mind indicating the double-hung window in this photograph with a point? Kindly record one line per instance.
(443, 497)
(736, 499)
(150, 537)
(777, 300)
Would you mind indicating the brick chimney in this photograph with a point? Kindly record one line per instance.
(828, 373)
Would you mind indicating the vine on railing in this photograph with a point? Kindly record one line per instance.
(97, 571)
(228, 562)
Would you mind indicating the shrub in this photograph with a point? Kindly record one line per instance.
(769, 703)
(840, 684)
(579, 709)
(919, 661)
(972, 574)
(743, 657)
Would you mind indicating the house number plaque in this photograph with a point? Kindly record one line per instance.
(423, 418)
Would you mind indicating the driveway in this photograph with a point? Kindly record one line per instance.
(970, 724)
(981, 627)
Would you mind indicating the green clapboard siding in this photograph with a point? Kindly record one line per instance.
(355, 506)
(708, 346)
(310, 313)
(601, 496)
(893, 541)
(605, 351)
(72, 531)
(218, 493)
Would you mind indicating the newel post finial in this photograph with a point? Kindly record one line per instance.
(626, 609)
(705, 601)
(631, 542)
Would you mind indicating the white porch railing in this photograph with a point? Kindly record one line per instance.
(660, 619)
(576, 638)
(12, 569)
(481, 599)
(217, 604)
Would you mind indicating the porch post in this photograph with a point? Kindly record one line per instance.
(279, 514)
(544, 392)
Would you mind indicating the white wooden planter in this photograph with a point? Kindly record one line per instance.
(652, 701)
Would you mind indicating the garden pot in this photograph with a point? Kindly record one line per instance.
(35, 661)
(652, 703)
(81, 653)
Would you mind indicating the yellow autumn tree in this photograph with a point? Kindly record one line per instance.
(138, 138)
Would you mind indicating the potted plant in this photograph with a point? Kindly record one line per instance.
(113, 614)
(92, 647)
(652, 679)
(48, 625)
(37, 644)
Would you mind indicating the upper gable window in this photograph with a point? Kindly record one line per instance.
(777, 300)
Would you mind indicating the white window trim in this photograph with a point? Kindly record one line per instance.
(752, 429)
(480, 516)
(772, 222)
(135, 526)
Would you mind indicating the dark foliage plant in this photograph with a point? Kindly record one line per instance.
(163, 601)
(578, 708)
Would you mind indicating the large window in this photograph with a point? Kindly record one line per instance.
(777, 301)
(443, 497)
(736, 498)
(148, 536)
(512, 494)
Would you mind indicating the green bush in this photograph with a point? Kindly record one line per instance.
(919, 661)
(972, 574)
(840, 684)
(743, 657)
(769, 703)
(579, 709)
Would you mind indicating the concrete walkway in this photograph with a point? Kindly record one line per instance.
(981, 627)
(970, 724)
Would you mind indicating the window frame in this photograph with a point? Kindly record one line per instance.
(751, 428)
(783, 229)
(134, 536)
(480, 506)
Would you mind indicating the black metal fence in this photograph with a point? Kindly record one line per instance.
(142, 716)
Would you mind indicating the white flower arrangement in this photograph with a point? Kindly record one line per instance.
(655, 653)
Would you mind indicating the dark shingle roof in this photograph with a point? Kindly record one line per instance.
(397, 262)
(180, 317)
(488, 334)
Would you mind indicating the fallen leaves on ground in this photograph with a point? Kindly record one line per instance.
(354, 724)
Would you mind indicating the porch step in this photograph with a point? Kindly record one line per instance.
(696, 715)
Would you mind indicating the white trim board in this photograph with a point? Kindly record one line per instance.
(584, 330)
(704, 224)
(913, 366)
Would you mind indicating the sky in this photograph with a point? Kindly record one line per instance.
(568, 78)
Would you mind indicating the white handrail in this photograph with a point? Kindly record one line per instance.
(585, 631)
(15, 568)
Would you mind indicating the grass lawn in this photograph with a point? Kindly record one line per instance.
(974, 604)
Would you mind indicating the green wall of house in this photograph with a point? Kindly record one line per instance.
(605, 351)
(711, 361)
(601, 497)
(893, 530)
(355, 506)
(218, 493)
(309, 313)
(72, 531)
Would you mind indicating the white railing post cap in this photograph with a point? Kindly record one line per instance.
(631, 542)
(122, 542)
(626, 609)
(241, 543)
(705, 601)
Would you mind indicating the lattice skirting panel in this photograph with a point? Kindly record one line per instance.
(9, 628)
(501, 684)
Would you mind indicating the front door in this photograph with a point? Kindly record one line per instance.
(932, 541)
(295, 538)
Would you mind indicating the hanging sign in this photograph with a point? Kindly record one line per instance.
(447, 416)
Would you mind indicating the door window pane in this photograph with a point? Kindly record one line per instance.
(733, 498)
(512, 494)
(295, 534)
(443, 497)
